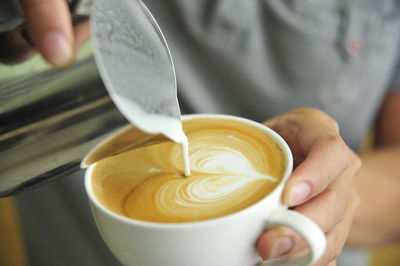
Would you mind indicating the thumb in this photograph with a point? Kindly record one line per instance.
(49, 26)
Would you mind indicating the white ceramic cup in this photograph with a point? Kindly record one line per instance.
(225, 241)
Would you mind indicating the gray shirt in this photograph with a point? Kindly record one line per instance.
(254, 59)
(260, 58)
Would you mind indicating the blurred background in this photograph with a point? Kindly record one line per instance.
(51, 117)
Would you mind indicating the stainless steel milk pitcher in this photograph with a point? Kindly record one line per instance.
(49, 118)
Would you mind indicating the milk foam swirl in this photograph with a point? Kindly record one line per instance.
(231, 169)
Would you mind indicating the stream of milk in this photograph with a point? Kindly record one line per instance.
(168, 126)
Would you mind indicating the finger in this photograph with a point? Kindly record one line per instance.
(49, 26)
(336, 238)
(302, 128)
(333, 263)
(332, 203)
(81, 33)
(281, 241)
(276, 242)
(327, 160)
(14, 48)
(289, 132)
(295, 126)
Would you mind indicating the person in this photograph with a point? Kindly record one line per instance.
(324, 72)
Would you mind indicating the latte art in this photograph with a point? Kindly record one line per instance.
(232, 167)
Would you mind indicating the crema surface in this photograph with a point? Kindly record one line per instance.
(233, 165)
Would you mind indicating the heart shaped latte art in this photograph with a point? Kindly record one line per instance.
(232, 168)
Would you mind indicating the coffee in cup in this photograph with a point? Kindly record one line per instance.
(233, 166)
(150, 214)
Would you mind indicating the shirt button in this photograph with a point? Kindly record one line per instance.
(355, 47)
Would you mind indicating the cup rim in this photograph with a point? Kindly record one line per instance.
(160, 225)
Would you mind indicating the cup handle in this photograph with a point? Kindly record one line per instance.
(307, 229)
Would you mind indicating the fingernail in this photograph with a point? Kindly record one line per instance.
(298, 193)
(57, 49)
(280, 247)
